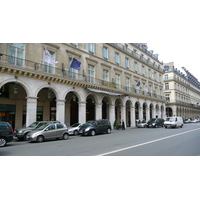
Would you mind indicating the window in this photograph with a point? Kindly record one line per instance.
(91, 47)
(90, 73)
(127, 63)
(135, 67)
(166, 86)
(47, 67)
(149, 73)
(117, 80)
(72, 71)
(155, 75)
(127, 83)
(166, 77)
(105, 53)
(73, 44)
(59, 126)
(167, 96)
(51, 127)
(117, 58)
(105, 75)
(16, 54)
(143, 70)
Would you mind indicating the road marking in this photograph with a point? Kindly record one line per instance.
(152, 141)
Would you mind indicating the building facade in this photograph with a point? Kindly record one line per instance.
(115, 81)
(182, 92)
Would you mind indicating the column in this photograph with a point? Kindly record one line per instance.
(141, 113)
(82, 112)
(123, 114)
(147, 113)
(132, 116)
(98, 113)
(60, 110)
(112, 114)
(31, 110)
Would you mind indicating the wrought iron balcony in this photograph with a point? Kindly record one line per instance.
(10, 64)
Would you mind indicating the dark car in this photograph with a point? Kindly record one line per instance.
(22, 133)
(6, 133)
(94, 127)
(155, 122)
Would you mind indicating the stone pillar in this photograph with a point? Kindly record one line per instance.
(60, 110)
(141, 113)
(82, 112)
(147, 113)
(98, 113)
(132, 109)
(31, 110)
(112, 114)
(123, 114)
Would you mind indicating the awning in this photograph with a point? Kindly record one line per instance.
(105, 92)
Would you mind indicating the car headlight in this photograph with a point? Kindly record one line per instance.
(87, 129)
(20, 131)
(153, 124)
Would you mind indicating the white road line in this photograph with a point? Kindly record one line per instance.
(152, 141)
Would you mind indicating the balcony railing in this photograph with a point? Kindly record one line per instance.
(9, 61)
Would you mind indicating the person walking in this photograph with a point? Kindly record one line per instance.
(123, 125)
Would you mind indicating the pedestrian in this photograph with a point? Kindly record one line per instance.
(123, 125)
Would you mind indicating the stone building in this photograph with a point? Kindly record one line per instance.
(115, 81)
(182, 92)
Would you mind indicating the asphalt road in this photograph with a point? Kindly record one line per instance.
(130, 142)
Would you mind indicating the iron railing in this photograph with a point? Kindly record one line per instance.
(8, 60)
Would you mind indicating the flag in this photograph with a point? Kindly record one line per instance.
(139, 85)
(75, 64)
(47, 57)
(146, 88)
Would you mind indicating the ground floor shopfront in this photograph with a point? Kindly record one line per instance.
(24, 100)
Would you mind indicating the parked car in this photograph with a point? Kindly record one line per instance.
(187, 120)
(48, 131)
(173, 122)
(155, 122)
(21, 133)
(94, 127)
(194, 121)
(142, 124)
(6, 133)
(74, 129)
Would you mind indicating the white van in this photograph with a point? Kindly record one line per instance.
(173, 122)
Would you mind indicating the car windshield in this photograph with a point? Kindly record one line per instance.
(152, 120)
(86, 124)
(143, 121)
(33, 124)
(42, 126)
(172, 119)
(91, 122)
(75, 125)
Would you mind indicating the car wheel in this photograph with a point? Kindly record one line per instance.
(93, 133)
(2, 142)
(109, 131)
(65, 136)
(75, 132)
(156, 126)
(40, 138)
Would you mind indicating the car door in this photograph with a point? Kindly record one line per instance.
(59, 130)
(50, 132)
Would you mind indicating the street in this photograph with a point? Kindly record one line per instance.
(130, 142)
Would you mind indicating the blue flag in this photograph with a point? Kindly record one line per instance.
(75, 64)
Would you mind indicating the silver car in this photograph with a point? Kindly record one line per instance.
(48, 131)
(74, 129)
(142, 124)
